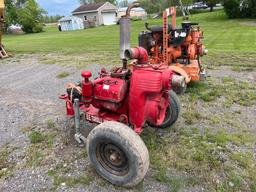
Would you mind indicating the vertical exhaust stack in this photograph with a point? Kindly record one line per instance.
(125, 33)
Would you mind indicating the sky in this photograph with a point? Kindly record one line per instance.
(60, 7)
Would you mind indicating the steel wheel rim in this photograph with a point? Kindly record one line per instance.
(112, 158)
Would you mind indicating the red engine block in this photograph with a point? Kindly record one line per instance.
(142, 96)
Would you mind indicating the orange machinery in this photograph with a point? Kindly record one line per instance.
(179, 47)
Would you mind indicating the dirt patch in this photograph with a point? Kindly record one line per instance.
(249, 23)
(227, 71)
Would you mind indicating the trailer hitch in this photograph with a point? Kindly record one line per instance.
(78, 136)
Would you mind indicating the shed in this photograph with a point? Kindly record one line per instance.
(71, 23)
(137, 13)
(97, 13)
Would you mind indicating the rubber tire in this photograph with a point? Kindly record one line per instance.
(131, 144)
(174, 107)
(180, 90)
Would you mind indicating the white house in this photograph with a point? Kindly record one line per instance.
(71, 23)
(97, 14)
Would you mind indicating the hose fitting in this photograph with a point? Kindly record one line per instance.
(137, 53)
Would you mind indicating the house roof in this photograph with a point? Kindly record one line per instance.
(69, 18)
(88, 7)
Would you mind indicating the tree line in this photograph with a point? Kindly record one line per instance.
(233, 8)
(51, 18)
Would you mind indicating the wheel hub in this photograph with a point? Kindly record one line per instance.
(112, 158)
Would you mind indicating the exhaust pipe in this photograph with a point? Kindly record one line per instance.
(125, 32)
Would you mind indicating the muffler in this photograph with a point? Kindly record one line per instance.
(125, 31)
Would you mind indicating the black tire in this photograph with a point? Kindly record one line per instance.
(180, 90)
(172, 112)
(118, 154)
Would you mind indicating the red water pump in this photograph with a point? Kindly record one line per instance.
(123, 101)
(131, 97)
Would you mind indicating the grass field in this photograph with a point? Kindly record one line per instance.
(221, 35)
(212, 147)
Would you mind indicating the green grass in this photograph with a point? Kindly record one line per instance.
(203, 149)
(36, 137)
(63, 74)
(60, 179)
(226, 87)
(201, 158)
(35, 155)
(221, 35)
(64, 174)
(51, 124)
(6, 163)
(191, 116)
(41, 143)
(230, 42)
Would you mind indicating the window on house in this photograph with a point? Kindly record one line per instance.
(95, 18)
(85, 18)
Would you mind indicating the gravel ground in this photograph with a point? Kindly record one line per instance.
(29, 97)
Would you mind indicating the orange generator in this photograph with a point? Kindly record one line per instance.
(179, 47)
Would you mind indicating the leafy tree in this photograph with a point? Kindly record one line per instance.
(20, 3)
(155, 6)
(211, 3)
(240, 8)
(30, 17)
(11, 16)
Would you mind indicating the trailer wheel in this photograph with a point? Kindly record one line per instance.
(172, 112)
(118, 154)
